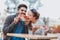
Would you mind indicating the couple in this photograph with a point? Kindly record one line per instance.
(16, 24)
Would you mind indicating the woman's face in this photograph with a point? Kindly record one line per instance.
(30, 15)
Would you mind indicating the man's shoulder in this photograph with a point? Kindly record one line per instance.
(11, 16)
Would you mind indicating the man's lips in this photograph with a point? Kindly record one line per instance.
(23, 13)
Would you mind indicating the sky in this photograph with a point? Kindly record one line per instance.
(50, 8)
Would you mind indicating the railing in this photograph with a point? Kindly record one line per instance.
(33, 36)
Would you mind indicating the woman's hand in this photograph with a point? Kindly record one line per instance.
(35, 28)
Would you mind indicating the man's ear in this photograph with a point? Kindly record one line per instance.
(18, 11)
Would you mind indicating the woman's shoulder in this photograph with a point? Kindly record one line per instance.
(40, 21)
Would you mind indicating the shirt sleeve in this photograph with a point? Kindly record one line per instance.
(39, 31)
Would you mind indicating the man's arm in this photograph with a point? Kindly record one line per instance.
(8, 25)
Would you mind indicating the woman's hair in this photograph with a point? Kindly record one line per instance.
(35, 13)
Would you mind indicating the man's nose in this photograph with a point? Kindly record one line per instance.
(24, 12)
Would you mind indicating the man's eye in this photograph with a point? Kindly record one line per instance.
(23, 10)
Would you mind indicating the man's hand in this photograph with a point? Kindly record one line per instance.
(16, 19)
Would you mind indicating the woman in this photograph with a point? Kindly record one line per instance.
(35, 22)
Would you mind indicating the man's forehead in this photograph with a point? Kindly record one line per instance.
(23, 8)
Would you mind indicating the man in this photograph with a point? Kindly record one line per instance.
(15, 24)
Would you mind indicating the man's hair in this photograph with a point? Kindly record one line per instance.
(35, 13)
(22, 5)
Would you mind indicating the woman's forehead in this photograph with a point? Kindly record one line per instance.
(30, 12)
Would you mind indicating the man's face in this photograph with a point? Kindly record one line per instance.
(22, 11)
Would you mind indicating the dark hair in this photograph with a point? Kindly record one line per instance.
(22, 5)
(35, 13)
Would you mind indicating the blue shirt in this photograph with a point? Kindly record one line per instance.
(19, 29)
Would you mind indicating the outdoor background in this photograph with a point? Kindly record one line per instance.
(49, 10)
